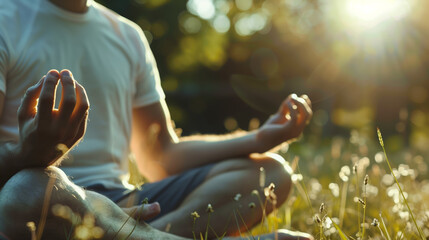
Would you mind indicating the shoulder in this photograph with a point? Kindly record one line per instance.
(18, 15)
(12, 10)
(118, 22)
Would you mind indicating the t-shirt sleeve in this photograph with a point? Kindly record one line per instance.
(3, 65)
(147, 83)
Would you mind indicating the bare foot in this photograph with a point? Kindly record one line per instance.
(281, 234)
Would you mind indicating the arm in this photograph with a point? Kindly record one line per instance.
(46, 134)
(161, 153)
(8, 152)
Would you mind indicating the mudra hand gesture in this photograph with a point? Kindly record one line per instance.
(286, 124)
(46, 133)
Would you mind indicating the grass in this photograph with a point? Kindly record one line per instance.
(359, 193)
(375, 201)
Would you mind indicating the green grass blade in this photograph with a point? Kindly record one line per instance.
(340, 232)
(380, 139)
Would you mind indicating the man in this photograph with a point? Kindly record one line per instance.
(113, 63)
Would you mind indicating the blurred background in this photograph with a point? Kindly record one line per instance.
(228, 64)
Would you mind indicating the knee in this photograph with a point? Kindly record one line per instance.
(24, 197)
(276, 170)
(24, 193)
(28, 187)
(272, 165)
(276, 166)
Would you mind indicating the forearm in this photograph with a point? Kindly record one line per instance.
(9, 156)
(191, 152)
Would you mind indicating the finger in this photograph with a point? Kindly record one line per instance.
(307, 100)
(303, 109)
(292, 116)
(82, 102)
(27, 109)
(308, 107)
(293, 112)
(68, 97)
(47, 97)
(284, 109)
(78, 120)
(76, 134)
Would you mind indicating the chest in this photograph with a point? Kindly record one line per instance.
(99, 61)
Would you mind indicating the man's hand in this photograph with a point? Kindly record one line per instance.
(286, 124)
(46, 133)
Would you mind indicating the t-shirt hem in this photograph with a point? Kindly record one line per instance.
(148, 100)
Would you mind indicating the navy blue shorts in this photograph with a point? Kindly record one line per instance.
(169, 192)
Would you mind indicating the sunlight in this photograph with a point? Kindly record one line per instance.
(369, 13)
(202, 8)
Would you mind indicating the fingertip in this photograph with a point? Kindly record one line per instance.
(53, 73)
(307, 99)
(66, 72)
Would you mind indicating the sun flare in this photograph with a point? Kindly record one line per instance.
(369, 13)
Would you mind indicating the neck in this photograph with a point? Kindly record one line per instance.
(76, 6)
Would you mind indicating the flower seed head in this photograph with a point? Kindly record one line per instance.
(380, 138)
(269, 190)
(252, 205)
(209, 208)
(322, 208)
(375, 222)
(272, 186)
(317, 219)
(365, 180)
(31, 226)
(237, 197)
(195, 215)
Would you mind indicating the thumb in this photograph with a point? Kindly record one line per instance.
(27, 109)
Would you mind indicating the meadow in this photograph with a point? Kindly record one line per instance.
(347, 190)
(343, 188)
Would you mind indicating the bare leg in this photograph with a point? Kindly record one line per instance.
(223, 182)
(37, 195)
(47, 196)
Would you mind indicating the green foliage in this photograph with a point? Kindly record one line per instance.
(250, 54)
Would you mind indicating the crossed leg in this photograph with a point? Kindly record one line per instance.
(225, 180)
(58, 208)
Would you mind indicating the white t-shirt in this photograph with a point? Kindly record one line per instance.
(106, 53)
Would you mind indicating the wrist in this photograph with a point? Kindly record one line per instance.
(268, 140)
(259, 143)
(16, 156)
(9, 161)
